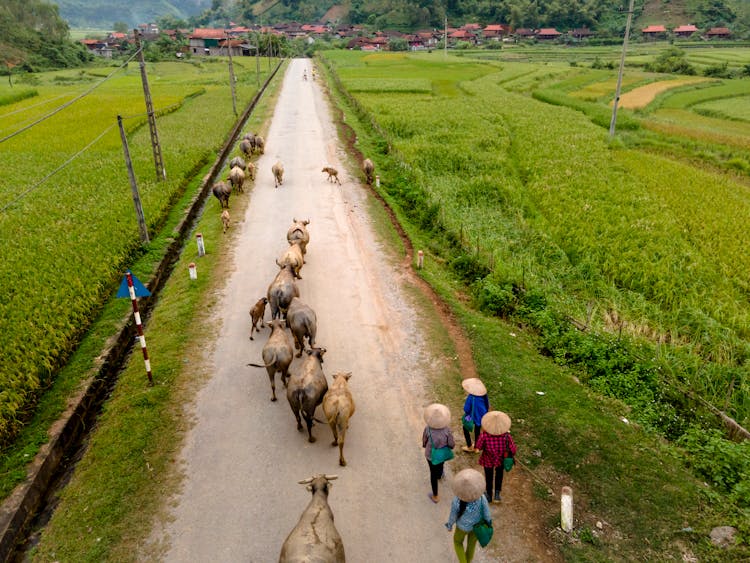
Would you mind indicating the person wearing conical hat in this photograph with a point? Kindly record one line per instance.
(436, 434)
(496, 444)
(475, 407)
(469, 507)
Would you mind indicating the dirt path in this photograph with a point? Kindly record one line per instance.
(243, 457)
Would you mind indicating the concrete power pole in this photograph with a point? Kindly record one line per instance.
(161, 173)
(619, 75)
(142, 228)
(231, 74)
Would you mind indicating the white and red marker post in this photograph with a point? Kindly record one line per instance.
(136, 289)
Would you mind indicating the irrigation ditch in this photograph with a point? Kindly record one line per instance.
(28, 508)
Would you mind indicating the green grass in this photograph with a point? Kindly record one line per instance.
(67, 242)
(737, 109)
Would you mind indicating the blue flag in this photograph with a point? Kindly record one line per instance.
(140, 289)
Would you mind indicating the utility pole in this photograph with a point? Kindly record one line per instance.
(445, 38)
(133, 185)
(257, 59)
(231, 73)
(161, 173)
(619, 75)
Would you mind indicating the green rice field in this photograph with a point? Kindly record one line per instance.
(69, 234)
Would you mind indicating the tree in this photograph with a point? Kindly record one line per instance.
(120, 27)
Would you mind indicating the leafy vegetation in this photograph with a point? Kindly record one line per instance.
(624, 269)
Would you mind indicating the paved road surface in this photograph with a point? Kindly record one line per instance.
(244, 456)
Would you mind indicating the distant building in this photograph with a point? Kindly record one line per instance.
(685, 30)
(654, 32)
(548, 33)
(581, 33)
(495, 32)
(719, 33)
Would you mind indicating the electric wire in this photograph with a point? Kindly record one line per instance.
(67, 104)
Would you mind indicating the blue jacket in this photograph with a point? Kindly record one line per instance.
(480, 406)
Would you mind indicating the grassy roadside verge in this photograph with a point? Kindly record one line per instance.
(631, 481)
(129, 465)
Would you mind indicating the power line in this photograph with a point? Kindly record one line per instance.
(56, 170)
(65, 105)
(76, 155)
(21, 110)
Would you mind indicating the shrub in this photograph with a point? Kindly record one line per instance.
(673, 61)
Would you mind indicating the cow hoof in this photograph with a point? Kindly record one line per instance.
(273, 399)
(342, 462)
(311, 439)
(251, 338)
(335, 443)
(299, 428)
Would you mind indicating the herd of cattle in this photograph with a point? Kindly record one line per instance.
(315, 537)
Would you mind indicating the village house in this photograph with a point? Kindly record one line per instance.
(685, 31)
(495, 32)
(524, 33)
(718, 33)
(581, 33)
(547, 34)
(98, 47)
(654, 32)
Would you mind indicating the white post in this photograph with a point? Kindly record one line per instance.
(420, 259)
(377, 181)
(566, 509)
(193, 271)
(201, 246)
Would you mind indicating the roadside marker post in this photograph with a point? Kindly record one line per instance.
(201, 245)
(566, 509)
(133, 288)
(192, 271)
(420, 260)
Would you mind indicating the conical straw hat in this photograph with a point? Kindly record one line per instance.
(468, 484)
(437, 416)
(474, 386)
(496, 422)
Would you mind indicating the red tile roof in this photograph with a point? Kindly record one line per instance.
(208, 33)
(719, 31)
(690, 28)
(654, 29)
(548, 31)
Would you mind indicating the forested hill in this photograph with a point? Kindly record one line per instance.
(33, 36)
(405, 15)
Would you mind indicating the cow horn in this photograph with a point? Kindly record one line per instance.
(306, 481)
(331, 477)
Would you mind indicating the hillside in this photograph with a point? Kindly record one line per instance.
(408, 15)
(104, 13)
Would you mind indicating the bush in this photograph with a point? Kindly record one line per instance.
(724, 464)
(468, 268)
(671, 61)
(718, 71)
(494, 298)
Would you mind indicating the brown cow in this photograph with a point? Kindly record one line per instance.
(369, 169)
(333, 174)
(256, 314)
(303, 323)
(278, 174)
(238, 162)
(281, 292)
(338, 406)
(306, 389)
(225, 219)
(277, 355)
(292, 257)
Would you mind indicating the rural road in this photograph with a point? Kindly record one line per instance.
(243, 456)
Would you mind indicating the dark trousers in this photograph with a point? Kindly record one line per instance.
(498, 471)
(436, 471)
(467, 436)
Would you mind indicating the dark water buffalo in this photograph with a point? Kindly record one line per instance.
(338, 406)
(222, 191)
(298, 233)
(281, 292)
(315, 538)
(306, 389)
(277, 355)
(237, 162)
(247, 148)
(303, 323)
